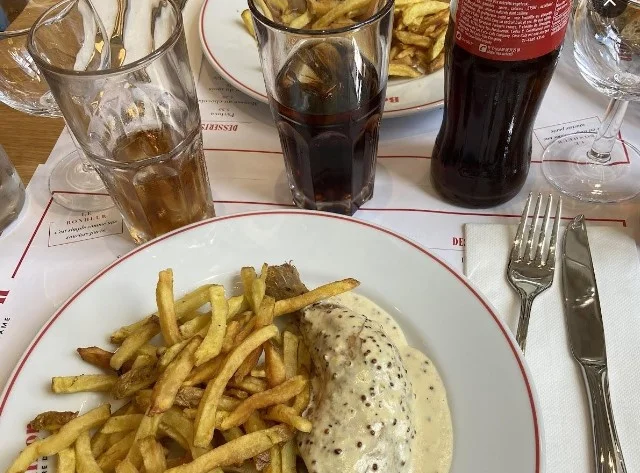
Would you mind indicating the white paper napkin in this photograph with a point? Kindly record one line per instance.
(556, 376)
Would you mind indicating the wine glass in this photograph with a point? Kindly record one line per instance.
(601, 166)
(73, 182)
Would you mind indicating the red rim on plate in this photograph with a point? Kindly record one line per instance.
(245, 88)
(510, 341)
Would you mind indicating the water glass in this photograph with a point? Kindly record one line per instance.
(11, 192)
(327, 90)
(138, 122)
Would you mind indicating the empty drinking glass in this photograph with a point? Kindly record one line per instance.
(138, 122)
(73, 183)
(601, 166)
(11, 192)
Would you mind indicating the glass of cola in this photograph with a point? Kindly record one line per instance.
(327, 89)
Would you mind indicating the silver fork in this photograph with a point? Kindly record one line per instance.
(532, 274)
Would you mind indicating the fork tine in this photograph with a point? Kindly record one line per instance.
(551, 258)
(517, 242)
(543, 231)
(532, 230)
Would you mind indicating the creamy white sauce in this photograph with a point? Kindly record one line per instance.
(432, 447)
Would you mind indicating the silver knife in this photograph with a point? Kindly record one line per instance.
(586, 338)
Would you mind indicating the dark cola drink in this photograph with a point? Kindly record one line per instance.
(501, 56)
(327, 108)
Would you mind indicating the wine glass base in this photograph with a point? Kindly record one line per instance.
(568, 168)
(76, 188)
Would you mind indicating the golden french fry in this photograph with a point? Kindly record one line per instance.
(84, 382)
(402, 70)
(248, 275)
(287, 306)
(302, 400)
(274, 365)
(407, 52)
(237, 305)
(204, 372)
(193, 326)
(166, 308)
(184, 306)
(166, 388)
(278, 395)
(126, 466)
(254, 423)
(264, 317)
(288, 457)
(437, 63)
(96, 356)
(258, 373)
(403, 3)
(287, 415)
(290, 354)
(190, 413)
(339, 10)
(247, 19)
(118, 336)
(135, 380)
(438, 46)
(422, 9)
(406, 37)
(64, 438)
(211, 346)
(51, 420)
(258, 288)
(85, 461)
(237, 393)
(116, 452)
(67, 461)
(133, 342)
(244, 332)
(124, 423)
(237, 450)
(100, 441)
(180, 424)
(301, 21)
(275, 460)
(147, 427)
(232, 434)
(205, 419)
(395, 50)
(232, 330)
(251, 385)
(320, 7)
(265, 9)
(144, 360)
(152, 455)
(188, 396)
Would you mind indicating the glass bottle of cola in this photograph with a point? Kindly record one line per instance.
(501, 55)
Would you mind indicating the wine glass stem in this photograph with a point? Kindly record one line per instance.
(608, 133)
(86, 165)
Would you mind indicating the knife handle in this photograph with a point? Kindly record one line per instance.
(608, 454)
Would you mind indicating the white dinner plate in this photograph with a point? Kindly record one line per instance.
(234, 54)
(496, 421)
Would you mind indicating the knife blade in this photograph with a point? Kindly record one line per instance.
(585, 329)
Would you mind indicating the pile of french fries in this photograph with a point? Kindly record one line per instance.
(419, 27)
(225, 388)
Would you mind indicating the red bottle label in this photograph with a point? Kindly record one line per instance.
(511, 30)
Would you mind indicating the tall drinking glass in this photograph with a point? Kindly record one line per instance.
(73, 183)
(327, 90)
(139, 123)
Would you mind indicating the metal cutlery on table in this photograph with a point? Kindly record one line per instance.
(530, 274)
(587, 342)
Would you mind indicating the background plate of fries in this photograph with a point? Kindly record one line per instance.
(417, 49)
(190, 309)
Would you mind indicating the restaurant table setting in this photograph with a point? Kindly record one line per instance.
(234, 165)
